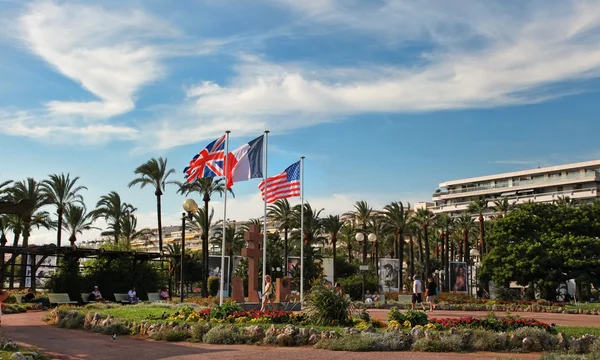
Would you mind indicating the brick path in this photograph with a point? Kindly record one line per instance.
(27, 329)
(558, 319)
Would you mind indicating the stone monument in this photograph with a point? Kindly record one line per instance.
(253, 253)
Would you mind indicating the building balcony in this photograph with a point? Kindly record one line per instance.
(516, 185)
(520, 199)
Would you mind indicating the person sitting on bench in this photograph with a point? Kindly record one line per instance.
(95, 295)
(30, 298)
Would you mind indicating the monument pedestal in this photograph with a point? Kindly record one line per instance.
(253, 253)
(282, 290)
(237, 288)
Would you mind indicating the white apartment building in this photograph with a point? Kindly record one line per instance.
(578, 181)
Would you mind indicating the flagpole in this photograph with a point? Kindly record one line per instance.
(301, 231)
(224, 219)
(264, 267)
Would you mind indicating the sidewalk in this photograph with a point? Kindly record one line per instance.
(28, 329)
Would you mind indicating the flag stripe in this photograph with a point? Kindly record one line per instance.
(283, 185)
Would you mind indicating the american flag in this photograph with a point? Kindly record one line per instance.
(284, 185)
(207, 163)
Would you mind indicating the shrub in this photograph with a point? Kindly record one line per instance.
(352, 285)
(226, 335)
(326, 308)
(483, 340)
(73, 320)
(416, 318)
(223, 311)
(541, 339)
(390, 341)
(170, 335)
(396, 315)
(198, 331)
(213, 285)
(348, 343)
(445, 343)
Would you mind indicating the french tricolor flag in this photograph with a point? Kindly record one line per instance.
(245, 162)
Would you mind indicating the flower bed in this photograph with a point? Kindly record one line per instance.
(492, 323)
(466, 334)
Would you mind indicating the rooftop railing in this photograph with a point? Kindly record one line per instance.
(591, 175)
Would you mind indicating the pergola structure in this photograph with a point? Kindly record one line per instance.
(38, 254)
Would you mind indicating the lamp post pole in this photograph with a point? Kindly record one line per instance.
(183, 217)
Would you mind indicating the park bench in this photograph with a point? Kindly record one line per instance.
(154, 297)
(405, 299)
(19, 298)
(59, 299)
(85, 297)
(122, 298)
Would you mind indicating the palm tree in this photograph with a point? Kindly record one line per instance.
(62, 191)
(31, 192)
(198, 224)
(332, 225)
(502, 207)
(347, 233)
(444, 222)
(207, 187)
(466, 225)
(3, 188)
(282, 213)
(478, 207)
(112, 209)
(423, 218)
(77, 220)
(412, 229)
(313, 224)
(361, 216)
(397, 217)
(154, 172)
(4, 227)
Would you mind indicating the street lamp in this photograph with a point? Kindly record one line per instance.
(474, 254)
(373, 239)
(190, 207)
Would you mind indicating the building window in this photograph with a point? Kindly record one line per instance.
(559, 188)
(577, 186)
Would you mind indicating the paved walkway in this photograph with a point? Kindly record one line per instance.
(27, 329)
(558, 319)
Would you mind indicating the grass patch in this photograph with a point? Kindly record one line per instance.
(579, 331)
(134, 313)
(356, 343)
(567, 356)
(584, 306)
(6, 354)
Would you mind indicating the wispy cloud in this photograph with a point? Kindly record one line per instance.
(515, 60)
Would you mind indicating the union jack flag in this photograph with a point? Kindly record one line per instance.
(207, 163)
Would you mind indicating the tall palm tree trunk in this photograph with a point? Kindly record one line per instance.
(24, 256)
(447, 261)
(427, 252)
(482, 233)
(412, 257)
(334, 245)
(12, 265)
(204, 288)
(401, 258)
(466, 243)
(158, 193)
(59, 213)
(460, 250)
(285, 248)
(420, 244)
(349, 252)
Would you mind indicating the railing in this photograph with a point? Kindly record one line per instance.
(555, 195)
(592, 175)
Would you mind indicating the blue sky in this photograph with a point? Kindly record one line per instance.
(386, 99)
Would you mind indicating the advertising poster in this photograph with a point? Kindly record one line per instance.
(389, 274)
(214, 269)
(458, 276)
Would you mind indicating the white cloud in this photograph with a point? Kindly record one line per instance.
(106, 51)
(517, 61)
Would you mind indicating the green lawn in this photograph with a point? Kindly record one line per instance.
(584, 306)
(132, 313)
(578, 331)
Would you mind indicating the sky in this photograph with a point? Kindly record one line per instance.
(386, 99)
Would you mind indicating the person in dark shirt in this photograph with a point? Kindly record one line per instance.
(430, 293)
(30, 298)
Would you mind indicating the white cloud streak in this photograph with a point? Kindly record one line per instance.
(517, 60)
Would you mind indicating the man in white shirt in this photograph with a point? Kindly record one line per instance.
(132, 296)
(416, 296)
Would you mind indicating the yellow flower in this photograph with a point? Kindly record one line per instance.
(406, 323)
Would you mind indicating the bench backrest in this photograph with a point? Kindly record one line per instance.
(121, 297)
(404, 298)
(154, 297)
(85, 297)
(19, 298)
(59, 298)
